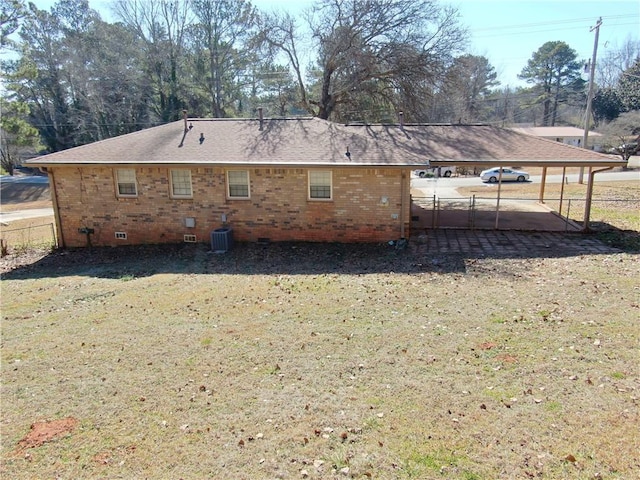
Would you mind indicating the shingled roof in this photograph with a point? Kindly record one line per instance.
(316, 142)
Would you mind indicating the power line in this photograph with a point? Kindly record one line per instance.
(556, 22)
(581, 27)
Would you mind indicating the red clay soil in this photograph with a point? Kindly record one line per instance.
(43, 432)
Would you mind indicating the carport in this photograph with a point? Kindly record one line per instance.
(534, 216)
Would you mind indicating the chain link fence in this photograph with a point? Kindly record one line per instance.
(15, 240)
(515, 213)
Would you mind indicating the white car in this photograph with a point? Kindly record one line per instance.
(435, 172)
(508, 174)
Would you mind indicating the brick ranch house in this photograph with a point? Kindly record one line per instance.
(301, 179)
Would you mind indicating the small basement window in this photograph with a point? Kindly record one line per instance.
(126, 181)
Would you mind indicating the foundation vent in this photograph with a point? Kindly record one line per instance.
(190, 238)
(121, 235)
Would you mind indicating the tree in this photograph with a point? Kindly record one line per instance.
(17, 137)
(38, 78)
(503, 103)
(224, 28)
(110, 95)
(623, 134)
(629, 88)
(275, 89)
(467, 84)
(381, 54)
(162, 27)
(606, 105)
(11, 13)
(279, 32)
(78, 75)
(609, 68)
(556, 73)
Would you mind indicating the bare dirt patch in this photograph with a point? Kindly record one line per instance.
(46, 431)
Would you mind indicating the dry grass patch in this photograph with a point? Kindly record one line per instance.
(322, 362)
(29, 232)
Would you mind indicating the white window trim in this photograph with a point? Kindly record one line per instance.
(236, 197)
(174, 195)
(317, 199)
(118, 183)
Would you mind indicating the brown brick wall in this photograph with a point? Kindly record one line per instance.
(278, 209)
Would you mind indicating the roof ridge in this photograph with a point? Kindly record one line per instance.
(418, 124)
(247, 119)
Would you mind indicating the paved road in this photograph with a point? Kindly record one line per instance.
(6, 217)
(34, 179)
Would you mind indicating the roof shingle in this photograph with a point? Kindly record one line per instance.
(312, 141)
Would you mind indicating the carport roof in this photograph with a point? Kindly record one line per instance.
(555, 132)
(309, 142)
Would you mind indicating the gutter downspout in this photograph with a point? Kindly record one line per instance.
(587, 206)
(54, 202)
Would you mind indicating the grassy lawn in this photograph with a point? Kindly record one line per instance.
(320, 362)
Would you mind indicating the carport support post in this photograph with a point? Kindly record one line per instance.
(564, 177)
(498, 201)
(543, 183)
(587, 203)
(434, 220)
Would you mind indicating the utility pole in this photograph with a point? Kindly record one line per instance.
(587, 119)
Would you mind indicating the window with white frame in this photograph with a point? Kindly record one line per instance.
(320, 184)
(181, 184)
(238, 183)
(126, 180)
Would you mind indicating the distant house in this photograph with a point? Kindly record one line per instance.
(301, 179)
(567, 135)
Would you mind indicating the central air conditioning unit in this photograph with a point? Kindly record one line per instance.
(221, 240)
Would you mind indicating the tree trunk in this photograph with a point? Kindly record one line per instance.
(556, 96)
(327, 101)
(546, 113)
